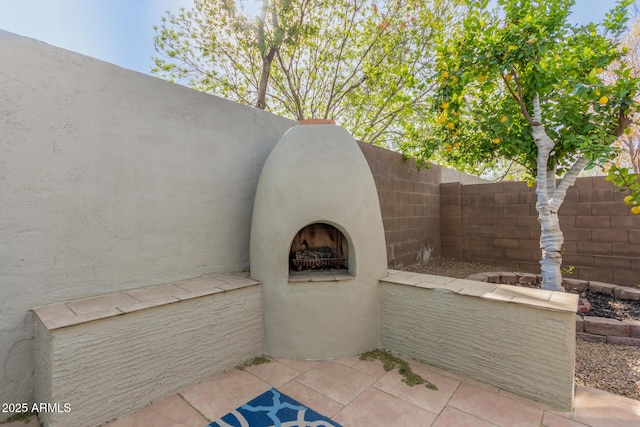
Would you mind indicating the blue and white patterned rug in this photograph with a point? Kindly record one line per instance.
(273, 409)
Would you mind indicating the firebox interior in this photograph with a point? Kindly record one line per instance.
(319, 247)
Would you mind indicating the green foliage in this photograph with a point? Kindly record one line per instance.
(258, 360)
(498, 62)
(627, 181)
(24, 416)
(368, 65)
(390, 361)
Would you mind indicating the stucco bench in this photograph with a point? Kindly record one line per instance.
(112, 354)
(519, 339)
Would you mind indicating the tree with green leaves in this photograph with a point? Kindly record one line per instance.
(522, 84)
(368, 65)
(629, 142)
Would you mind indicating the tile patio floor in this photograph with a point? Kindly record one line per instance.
(359, 393)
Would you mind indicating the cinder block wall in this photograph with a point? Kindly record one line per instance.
(497, 223)
(410, 203)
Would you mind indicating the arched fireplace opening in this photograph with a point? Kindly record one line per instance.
(319, 247)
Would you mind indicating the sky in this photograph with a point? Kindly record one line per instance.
(116, 31)
(121, 31)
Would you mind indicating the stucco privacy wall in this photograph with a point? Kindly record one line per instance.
(529, 351)
(112, 180)
(497, 223)
(117, 365)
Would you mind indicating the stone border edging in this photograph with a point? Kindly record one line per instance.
(588, 328)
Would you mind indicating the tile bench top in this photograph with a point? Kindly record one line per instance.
(75, 312)
(558, 301)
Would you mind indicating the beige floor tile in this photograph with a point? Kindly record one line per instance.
(221, 394)
(554, 420)
(32, 421)
(432, 373)
(273, 373)
(495, 408)
(419, 395)
(488, 387)
(311, 398)
(607, 395)
(536, 404)
(336, 381)
(376, 408)
(299, 365)
(349, 361)
(562, 414)
(170, 412)
(600, 409)
(452, 417)
(370, 367)
(440, 371)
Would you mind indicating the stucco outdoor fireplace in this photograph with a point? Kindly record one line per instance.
(317, 246)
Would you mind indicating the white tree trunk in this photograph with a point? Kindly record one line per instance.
(549, 200)
(551, 238)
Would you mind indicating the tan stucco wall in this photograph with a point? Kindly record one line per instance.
(317, 173)
(110, 367)
(526, 350)
(112, 180)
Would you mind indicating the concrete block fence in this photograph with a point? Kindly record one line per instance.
(497, 223)
(410, 204)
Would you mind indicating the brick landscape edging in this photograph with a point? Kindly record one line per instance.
(588, 328)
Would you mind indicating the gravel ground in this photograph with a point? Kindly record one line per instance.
(608, 367)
